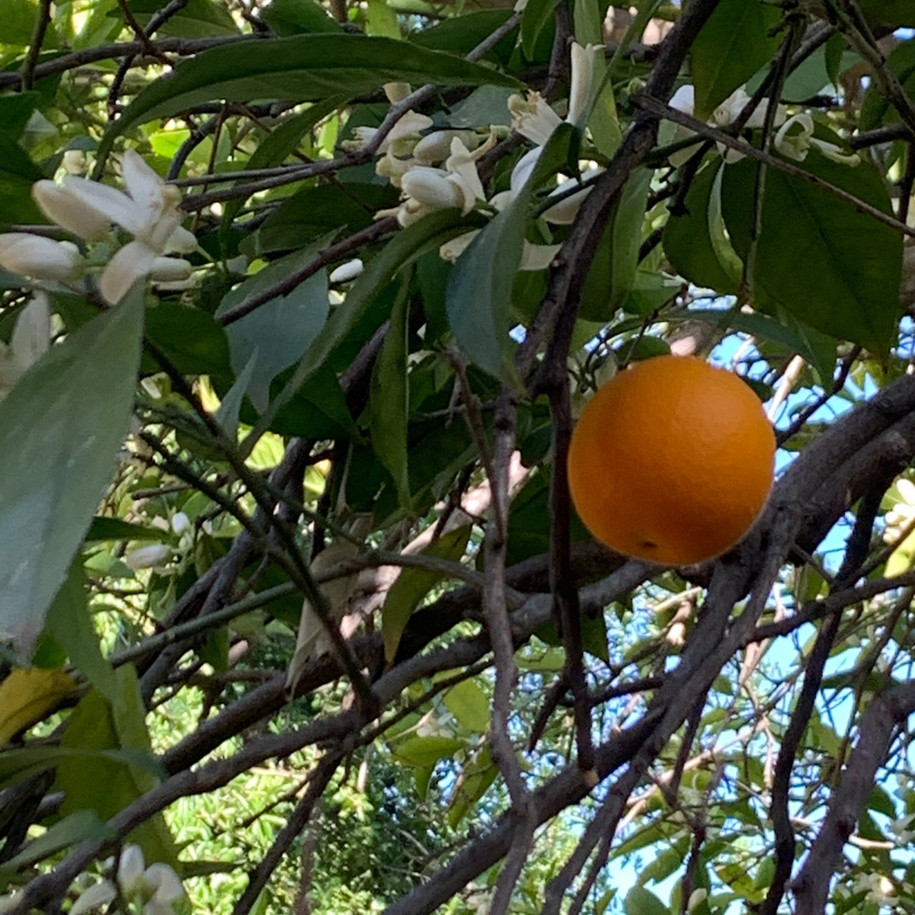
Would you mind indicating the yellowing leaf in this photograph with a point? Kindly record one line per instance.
(27, 695)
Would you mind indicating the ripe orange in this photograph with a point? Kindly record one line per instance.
(671, 460)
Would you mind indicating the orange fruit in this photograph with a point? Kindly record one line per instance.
(671, 460)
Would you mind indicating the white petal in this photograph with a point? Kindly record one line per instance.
(130, 264)
(684, 99)
(145, 187)
(181, 241)
(96, 896)
(346, 272)
(537, 257)
(170, 270)
(431, 187)
(131, 864)
(462, 165)
(523, 168)
(583, 61)
(181, 524)
(143, 557)
(69, 212)
(453, 249)
(168, 886)
(436, 147)
(32, 334)
(37, 257)
(396, 92)
(107, 201)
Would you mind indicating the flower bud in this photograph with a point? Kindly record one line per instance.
(346, 272)
(38, 257)
(431, 187)
(69, 211)
(148, 557)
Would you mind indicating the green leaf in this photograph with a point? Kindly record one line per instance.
(60, 428)
(406, 246)
(80, 826)
(390, 400)
(476, 777)
(876, 110)
(461, 34)
(116, 529)
(191, 338)
(198, 19)
(426, 751)
(294, 17)
(687, 237)
(412, 585)
(281, 142)
(640, 901)
(469, 705)
(817, 257)
(281, 330)
(536, 17)
(70, 624)
(893, 13)
(17, 175)
(97, 724)
(301, 68)
(732, 45)
(381, 19)
(230, 405)
(479, 290)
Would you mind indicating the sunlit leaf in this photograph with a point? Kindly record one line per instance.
(60, 428)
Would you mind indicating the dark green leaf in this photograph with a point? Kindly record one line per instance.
(390, 401)
(817, 257)
(198, 19)
(687, 237)
(295, 17)
(80, 826)
(462, 34)
(281, 330)
(876, 110)
(302, 68)
(60, 428)
(400, 252)
(116, 529)
(538, 14)
(732, 45)
(280, 144)
(192, 339)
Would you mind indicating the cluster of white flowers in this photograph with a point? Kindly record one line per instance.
(153, 890)
(148, 210)
(793, 140)
(437, 169)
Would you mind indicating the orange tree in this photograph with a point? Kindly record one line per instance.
(299, 304)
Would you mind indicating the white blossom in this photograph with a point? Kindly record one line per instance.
(684, 99)
(29, 342)
(38, 257)
(795, 144)
(148, 210)
(532, 117)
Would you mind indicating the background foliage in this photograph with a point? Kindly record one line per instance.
(353, 402)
